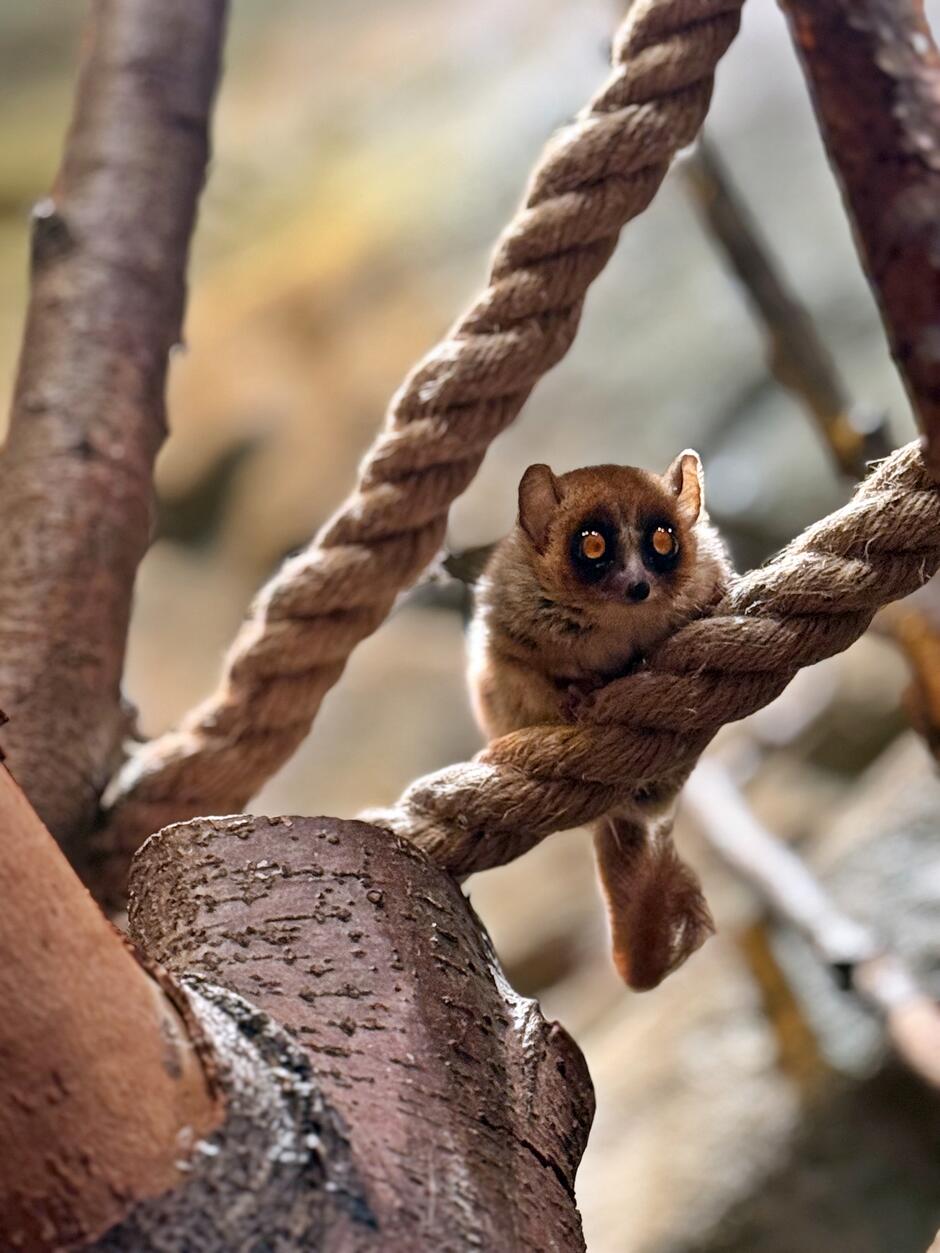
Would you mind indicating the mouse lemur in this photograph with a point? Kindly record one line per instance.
(603, 564)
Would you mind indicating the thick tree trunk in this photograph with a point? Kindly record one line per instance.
(335, 999)
(466, 1112)
(101, 1091)
(340, 1063)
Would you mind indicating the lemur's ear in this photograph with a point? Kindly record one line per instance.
(686, 481)
(539, 496)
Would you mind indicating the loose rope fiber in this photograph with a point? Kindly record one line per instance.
(645, 732)
(595, 175)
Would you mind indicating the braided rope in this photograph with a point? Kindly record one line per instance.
(647, 730)
(595, 175)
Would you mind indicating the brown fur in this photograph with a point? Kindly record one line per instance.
(543, 637)
(658, 915)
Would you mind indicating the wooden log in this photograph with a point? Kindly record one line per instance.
(466, 1112)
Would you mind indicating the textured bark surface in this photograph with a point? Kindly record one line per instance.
(108, 287)
(101, 1090)
(277, 1176)
(466, 1112)
(874, 75)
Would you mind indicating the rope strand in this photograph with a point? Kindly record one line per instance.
(596, 175)
(647, 730)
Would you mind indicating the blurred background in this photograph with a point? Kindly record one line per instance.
(366, 156)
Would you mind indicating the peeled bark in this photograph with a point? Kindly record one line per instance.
(108, 264)
(277, 1175)
(466, 1113)
(102, 1091)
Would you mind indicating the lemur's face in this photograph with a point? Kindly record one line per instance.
(612, 537)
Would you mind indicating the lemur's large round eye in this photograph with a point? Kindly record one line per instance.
(593, 545)
(663, 541)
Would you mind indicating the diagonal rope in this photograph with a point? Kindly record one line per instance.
(645, 731)
(595, 175)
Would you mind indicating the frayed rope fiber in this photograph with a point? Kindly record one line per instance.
(594, 176)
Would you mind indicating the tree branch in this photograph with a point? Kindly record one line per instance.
(109, 255)
(914, 626)
(99, 1078)
(874, 76)
(879, 977)
(796, 355)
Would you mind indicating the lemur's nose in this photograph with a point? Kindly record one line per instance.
(638, 591)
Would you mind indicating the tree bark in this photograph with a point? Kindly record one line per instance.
(339, 1047)
(109, 255)
(874, 75)
(466, 1113)
(101, 1089)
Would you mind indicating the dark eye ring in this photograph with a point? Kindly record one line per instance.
(593, 546)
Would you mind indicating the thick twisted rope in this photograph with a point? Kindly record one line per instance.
(645, 731)
(595, 175)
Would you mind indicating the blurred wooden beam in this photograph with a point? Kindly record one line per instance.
(858, 959)
(796, 355)
(913, 625)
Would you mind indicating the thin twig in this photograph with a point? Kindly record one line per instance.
(796, 355)
(914, 626)
(874, 75)
(857, 957)
(109, 253)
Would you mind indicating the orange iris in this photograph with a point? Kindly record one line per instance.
(593, 545)
(663, 541)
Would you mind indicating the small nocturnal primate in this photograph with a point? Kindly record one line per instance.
(602, 565)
